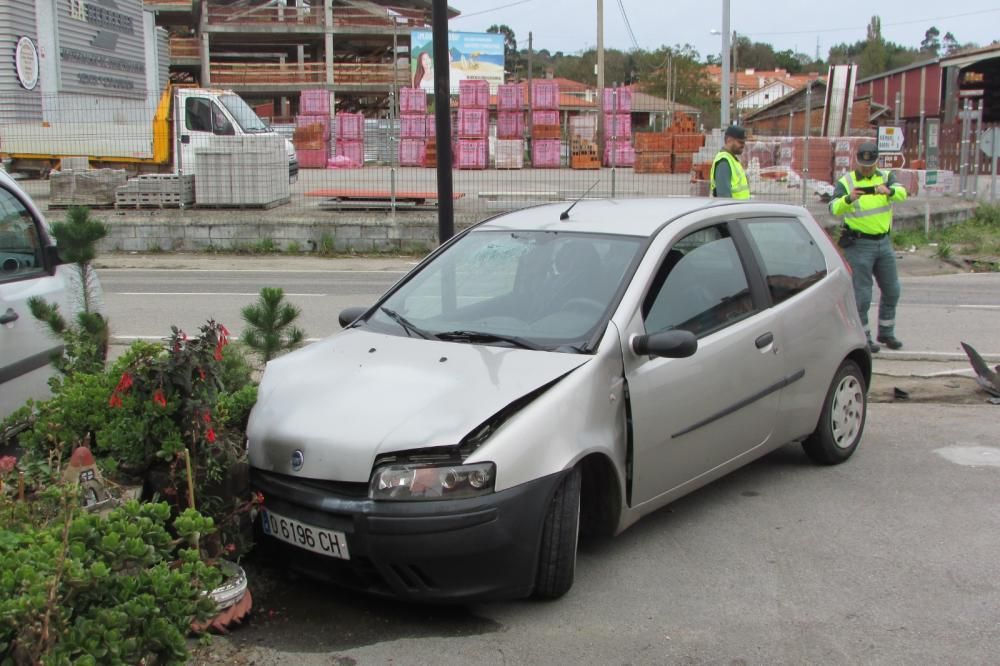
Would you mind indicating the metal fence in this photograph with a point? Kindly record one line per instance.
(388, 163)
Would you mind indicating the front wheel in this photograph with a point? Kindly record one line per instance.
(843, 419)
(557, 554)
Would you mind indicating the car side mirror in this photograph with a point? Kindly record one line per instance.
(52, 258)
(666, 344)
(349, 315)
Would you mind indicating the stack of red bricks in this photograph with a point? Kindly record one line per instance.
(510, 126)
(687, 142)
(351, 138)
(312, 129)
(618, 149)
(413, 126)
(653, 152)
(472, 148)
(546, 132)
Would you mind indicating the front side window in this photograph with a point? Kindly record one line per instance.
(246, 117)
(701, 285)
(532, 289)
(20, 245)
(790, 255)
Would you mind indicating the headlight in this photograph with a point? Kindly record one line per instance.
(431, 482)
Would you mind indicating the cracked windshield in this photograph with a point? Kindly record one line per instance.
(540, 288)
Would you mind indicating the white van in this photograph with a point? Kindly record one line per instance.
(29, 266)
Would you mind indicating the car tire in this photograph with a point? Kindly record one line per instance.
(560, 533)
(843, 419)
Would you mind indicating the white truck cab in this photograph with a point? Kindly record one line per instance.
(201, 113)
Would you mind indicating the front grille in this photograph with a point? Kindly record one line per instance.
(335, 488)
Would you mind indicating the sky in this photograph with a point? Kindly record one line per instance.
(571, 25)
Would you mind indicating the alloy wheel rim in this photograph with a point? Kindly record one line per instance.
(848, 412)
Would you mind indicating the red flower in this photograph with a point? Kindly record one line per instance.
(124, 384)
(218, 352)
(201, 372)
(230, 548)
(159, 398)
(224, 335)
(184, 336)
(210, 435)
(258, 497)
(207, 416)
(115, 400)
(7, 464)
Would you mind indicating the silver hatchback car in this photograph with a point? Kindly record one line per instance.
(549, 374)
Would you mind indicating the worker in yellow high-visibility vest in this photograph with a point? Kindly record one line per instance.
(728, 179)
(864, 198)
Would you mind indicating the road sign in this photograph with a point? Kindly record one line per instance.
(988, 140)
(892, 160)
(890, 139)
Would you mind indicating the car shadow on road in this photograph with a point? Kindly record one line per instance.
(298, 614)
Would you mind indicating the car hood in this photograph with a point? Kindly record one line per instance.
(353, 396)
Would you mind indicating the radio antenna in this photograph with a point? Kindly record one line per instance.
(565, 214)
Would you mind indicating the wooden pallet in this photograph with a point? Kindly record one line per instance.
(262, 206)
(150, 200)
(359, 196)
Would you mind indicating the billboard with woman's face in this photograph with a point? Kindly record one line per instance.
(471, 55)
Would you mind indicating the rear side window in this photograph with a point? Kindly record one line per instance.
(791, 258)
(20, 246)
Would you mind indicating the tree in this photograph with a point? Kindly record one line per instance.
(931, 44)
(270, 325)
(950, 44)
(874, 57)
(85, 341)
(510, 54)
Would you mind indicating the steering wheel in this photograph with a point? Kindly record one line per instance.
(584, 303)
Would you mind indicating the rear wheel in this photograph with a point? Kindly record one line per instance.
(557, 555)
(843, 419)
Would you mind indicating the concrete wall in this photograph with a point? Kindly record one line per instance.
(416, 232)
(205, 231)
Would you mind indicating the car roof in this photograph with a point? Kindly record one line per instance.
(629, 217)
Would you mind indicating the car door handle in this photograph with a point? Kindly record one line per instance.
(185, 138)
(764, 340)
(9, 317)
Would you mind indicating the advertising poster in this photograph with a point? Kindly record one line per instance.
(472, 55)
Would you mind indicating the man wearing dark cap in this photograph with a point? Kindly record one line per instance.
(864, 198)
(728, 179)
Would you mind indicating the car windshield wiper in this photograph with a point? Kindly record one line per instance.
(405, 323)
(482, 336)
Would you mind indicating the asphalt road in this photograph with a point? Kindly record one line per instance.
(890, 558)
(935, 313)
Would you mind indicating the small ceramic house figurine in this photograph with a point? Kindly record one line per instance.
(82, 469)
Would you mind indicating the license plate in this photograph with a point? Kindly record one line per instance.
(317, 539)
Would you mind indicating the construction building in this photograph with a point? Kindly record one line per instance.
(270, 50)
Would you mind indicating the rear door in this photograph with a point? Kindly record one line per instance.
(692, 415)
(814, 318)
(25, 345)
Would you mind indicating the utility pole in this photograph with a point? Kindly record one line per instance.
(600, 80)
(724, 111)
(531, 58)
(736, 77)
(442, 119)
